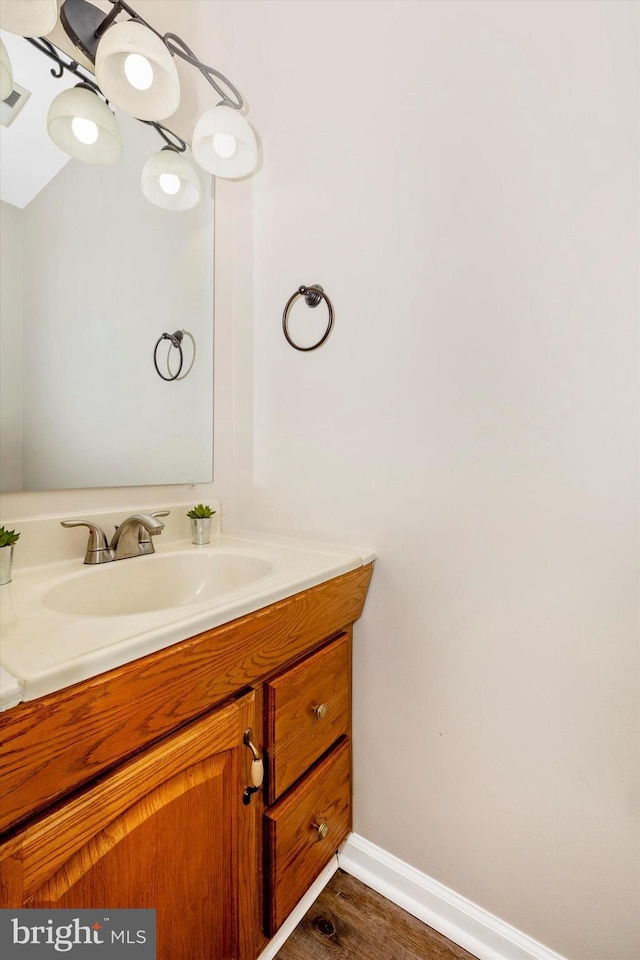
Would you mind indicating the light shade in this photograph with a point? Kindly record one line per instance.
(6, 73)
(224, 143)
(68, 110)
(155, 97)
(28, 18)
(169, 181)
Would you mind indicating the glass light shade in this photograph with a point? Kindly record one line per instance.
(6, 73)
(79, 103)
(154, 102)
(214, 129)
(28, 18)
(171, 169)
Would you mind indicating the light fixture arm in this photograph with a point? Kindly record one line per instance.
(177, 143)
(118, 5)
(185, 53)
(43, 45)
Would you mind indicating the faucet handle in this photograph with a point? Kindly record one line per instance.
(98, 551)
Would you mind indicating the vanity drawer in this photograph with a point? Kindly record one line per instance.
(307, 708)
(304, 829)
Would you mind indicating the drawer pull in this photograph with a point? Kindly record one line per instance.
(322, 829)
(257, 767)
(321, 711)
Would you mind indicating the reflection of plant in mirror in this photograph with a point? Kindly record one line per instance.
(8, 537)
(200, 512)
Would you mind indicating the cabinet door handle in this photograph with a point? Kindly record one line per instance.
(257, 767)
(322, 829)
(320, 711)
(257, 773)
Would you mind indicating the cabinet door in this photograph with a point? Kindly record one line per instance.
(167, 830)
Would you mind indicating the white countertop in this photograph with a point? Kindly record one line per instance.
(44, 650)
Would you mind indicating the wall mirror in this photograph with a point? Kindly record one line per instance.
(91, 276)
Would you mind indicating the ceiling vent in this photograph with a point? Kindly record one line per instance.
(11, 106)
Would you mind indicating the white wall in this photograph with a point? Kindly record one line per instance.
(462, 179)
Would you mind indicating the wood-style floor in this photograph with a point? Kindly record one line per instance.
(349, 921)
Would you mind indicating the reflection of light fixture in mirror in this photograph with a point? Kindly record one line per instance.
(136, 72)
(169, 181)
(28, 18)
(82, 125)
(6, 73)
(224, 143)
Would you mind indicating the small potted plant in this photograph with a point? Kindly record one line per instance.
(7, 540)
(200, 517)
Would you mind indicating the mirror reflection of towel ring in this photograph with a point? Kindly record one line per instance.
(186, 373)
(312, 295)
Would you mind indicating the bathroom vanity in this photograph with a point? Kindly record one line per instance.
(136, 787)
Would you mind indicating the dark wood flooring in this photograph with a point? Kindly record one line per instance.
(349, 921)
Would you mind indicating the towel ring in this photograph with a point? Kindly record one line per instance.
(312, 295)
(175, 339)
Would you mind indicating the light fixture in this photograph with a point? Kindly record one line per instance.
(224, 143)
(28, 18)
(82, 125)
(135, 71)
(169, 181)
(6, 73)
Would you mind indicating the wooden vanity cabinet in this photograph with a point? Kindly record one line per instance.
(128, 790)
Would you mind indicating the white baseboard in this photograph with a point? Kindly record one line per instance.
(472, 928)
(299, 911)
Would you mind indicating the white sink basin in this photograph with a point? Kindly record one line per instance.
(156, 582)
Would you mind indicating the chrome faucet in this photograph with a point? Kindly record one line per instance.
(131, 539)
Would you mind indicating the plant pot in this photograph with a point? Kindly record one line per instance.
(6, 560)
(201, 530)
